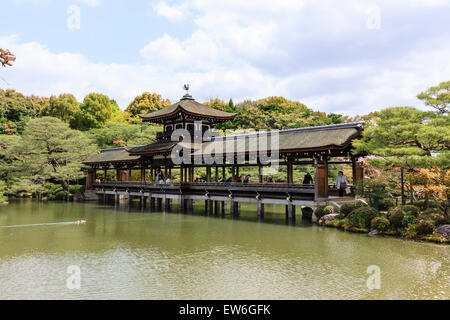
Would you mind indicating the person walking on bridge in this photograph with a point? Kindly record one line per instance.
(341, 183)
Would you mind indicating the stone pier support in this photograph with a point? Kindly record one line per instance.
(260, 209)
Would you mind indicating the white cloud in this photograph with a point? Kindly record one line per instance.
(171, 13)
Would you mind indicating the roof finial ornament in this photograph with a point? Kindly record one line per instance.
(187, 95)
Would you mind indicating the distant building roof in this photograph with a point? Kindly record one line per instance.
(190, 107)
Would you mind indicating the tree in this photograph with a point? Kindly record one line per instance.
(95, 111)
(406, 138)
(48, 150)
(146, 103)
(122, 134)
(16, 109)
(62, 107)
(437, 97)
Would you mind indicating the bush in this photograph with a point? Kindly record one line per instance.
(323, 210)
(396, 215)
(379, 223)
(385, 204)
(407, 220)
(410, 232)
(424, 227)
(348, 207)
(436, 216)
(410, 209)
(361, 217)
(420, 204)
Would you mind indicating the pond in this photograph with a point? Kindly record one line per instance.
(126, 253)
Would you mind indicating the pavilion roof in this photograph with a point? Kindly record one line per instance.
(115, 155)
(188, 107)
(332, 137)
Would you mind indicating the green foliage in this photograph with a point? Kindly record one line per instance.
(437, 97)
(379, 223)
(62, 107)
(47, 150)
(405, 137)
(272, 113)
(95, 111)
(436, 216)
(410, 231)
(424, 227)
(408, 219)
(323, 210)
(362, 217)
(3, 189)
(386, 203)
(16, 109)
(146, 103)
(348, 207)
(122, 134)
(395, 216)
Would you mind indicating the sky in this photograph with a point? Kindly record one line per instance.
(349, 56)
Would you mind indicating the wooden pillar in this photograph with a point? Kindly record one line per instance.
(129, 174)
(233, 173)
(290, 178)
(208, 173)
(181, 174)
(290, 211)
(260, 209)
(105, 173)
(181, 202)
(90, 179)
(224, 176)
(217, 174)
(260, 173)
(321, 179)
(237, 173)
(117, 174)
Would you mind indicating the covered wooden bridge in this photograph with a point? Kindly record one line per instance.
(317, 146)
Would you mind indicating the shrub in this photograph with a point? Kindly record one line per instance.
(323, 210)
(410, 209)
(348, 207)
(385, 204)
(436, 216)
(420, 204)
(424, 227)
(407, 220)
(410, 232)
(395, 216)
(379, 223)
(361, 217)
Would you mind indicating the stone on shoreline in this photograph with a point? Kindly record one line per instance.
(329, 217)
(444, 230)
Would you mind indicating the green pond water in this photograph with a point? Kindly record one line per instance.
(126, 253)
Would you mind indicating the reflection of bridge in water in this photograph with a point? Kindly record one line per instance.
(217, 196)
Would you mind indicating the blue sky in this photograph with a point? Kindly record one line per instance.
(345, 56)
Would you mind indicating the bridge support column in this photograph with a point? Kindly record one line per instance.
(130, 200)
(216, 207)
(224, 207)
(181, 204)
(142, 202)
(260, 209)
(234, 208)
(290, 211)
(209, 206)
(116, 198)
(164, 202)
(159, 203)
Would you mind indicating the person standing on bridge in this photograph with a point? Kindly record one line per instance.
(341, 183)
(307, 179)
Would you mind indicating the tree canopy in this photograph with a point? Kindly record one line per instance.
(95, 111)
(437, 97)
(62, 107)
(146, 103)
